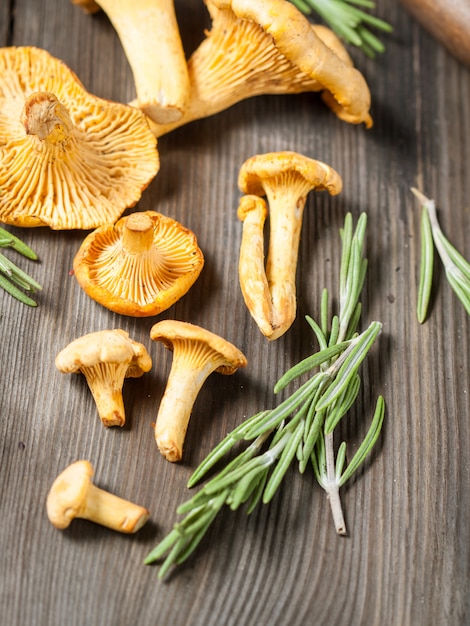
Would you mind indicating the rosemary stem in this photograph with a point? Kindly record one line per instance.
(332, 487)
(336, 508)
(430, 206)
(437, 231)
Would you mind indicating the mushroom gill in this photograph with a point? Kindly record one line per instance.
(141, 265)
(68, 159)
(257, 47)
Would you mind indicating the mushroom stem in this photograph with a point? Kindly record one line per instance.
(149, 34)
(286, 206)
(137, 234)
(182, 389)
(105, 381)
(44, 116)
(252, 211)
(109, 510)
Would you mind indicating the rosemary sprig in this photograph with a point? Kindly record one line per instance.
(349, 21)
(300, 428)
(457, 268)
(13, 279)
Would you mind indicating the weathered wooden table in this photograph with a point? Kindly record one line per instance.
(406, 558)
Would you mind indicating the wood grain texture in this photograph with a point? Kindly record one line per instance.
(406, 559)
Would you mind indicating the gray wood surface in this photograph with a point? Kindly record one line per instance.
(406, 558)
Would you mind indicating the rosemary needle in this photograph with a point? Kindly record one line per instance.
(13, 279)
(457, 268)
(7, 239)
(300, 428)
(426, 266)
(349, 21)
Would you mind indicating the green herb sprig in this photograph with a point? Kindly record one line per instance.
(300, 428)
(13, 279)
(457, 268)
(349, 21)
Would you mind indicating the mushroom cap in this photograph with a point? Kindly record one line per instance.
(68, 493)
(106, 158)
(257, 47)
(104, 346)
(347, 92)
(173, 332)
(332, 41)
(261, 168)
(139, 283)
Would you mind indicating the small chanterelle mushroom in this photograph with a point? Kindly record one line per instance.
(285, 178)
(196, 354)
(106, 358)
(68, 159)
(258, 47)
(73, 495)
(140, 266)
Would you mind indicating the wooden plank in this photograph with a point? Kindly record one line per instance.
(4, 23)
(406, 557)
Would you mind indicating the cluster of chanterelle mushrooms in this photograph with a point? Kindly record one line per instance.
(253, 47)
(71, 160)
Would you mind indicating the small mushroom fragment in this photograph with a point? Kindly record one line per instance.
(140, 266)
(106, 358)
(150, 37)
(68, 159)
(259, 47)
(73, 495)
(285, 178)
(196, 354)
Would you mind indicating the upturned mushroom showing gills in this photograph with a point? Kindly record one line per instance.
(285, 178)
(257, 47)
(150, 37)
(196, 354)
(106, 358)
(140, 266)
(68, 159)
(73, 495)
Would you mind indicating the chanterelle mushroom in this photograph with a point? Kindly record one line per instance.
(73, 494)
(106, 358)
(285, 178)
(269, 47)
(68, 159)
(140, 266)
(151, 40)
(196, 354)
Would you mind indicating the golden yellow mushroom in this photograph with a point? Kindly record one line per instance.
(68, 159)
(106, 358)
(259, 47)
(140, 266)
(285, 178)
(196, 354)
(73, 495)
